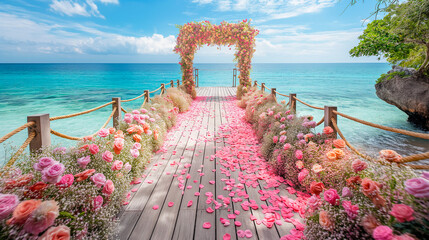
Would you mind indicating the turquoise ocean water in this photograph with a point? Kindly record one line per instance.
(59, 89)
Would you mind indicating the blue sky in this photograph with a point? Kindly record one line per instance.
(145, 30)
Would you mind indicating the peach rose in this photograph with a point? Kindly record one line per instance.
(119, 134)
(317, 168)
(339, 153)
(112, 130)
(328, 130)
(369, 223)
(324, 221)
(370, 188)
(108, 187)
(299, 164)
(331, 155)
(339, 143)
(23, 211)
(118, 145)
(137, 138)
(84, 175)
(353, 181)
(390, 156)
(56, 233)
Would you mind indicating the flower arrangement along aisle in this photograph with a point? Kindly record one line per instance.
(196, 34)
(347, 197)
(63, 193)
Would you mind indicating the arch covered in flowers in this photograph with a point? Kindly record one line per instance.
(195, 34)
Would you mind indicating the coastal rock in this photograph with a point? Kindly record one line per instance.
(407, 71)
(410, 94)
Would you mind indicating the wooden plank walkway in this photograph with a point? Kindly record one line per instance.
(188, 161)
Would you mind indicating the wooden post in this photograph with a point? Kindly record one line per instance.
(255, 84)
(146, 95)
(234, 77)
(162, 88)
(273, 92)
(178, 82)
(171, 83)
(42, 129)
(329, 114)
(196, 77)
(117, 114)
(292, 102)
(263, 87)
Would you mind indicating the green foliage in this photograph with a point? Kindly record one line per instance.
(401, 36)
(388, 76)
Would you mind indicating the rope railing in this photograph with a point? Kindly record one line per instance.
(80, 113)
(331, 111)
(132, 99)
(155, 90)
(390, 129)
(21, 149)
(123, 110)
(9, 135)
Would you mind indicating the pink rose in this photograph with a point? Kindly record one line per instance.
(98, 202)
(331, 196)
(402, 212)
(135, 112)
(53, 173)
(107, 156)
(42, 217)
(314, 202)
(403, 237)
(84, 161)
(56, 233)
(328, 130)
(287, 146)
(282, 119)
(275, 139)
(382, 233)
(117, 165)
(359, 165)
(290, 117)
(302, 174)
(127, 167)
(8, 203)
(298, 154)
(93, 148)
(108, 187)
(351, 210)
(418, 187)
(43, 163)
(103, 132)
(282, 139)
(99, 179)
(346, 192)
(135, 153)
(299, 164)
(66, 181)
(137, 146)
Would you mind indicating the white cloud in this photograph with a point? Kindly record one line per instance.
(73, 7)
(75, 38)
(271, 9)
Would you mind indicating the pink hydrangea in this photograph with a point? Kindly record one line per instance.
(53, 173)
(107, 156)
(84, 161)
(331, 196)
(93, 148)
(99, 179)
(43, 163)
(103, 132)
(8, 203)
(350, 209)
(66, 181)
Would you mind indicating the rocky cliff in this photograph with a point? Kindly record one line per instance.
(410, 94)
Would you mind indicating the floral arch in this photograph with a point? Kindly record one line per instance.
(195, 34)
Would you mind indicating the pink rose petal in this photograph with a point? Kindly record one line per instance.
(207, 225)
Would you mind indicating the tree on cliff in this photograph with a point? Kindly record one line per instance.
(402, 36)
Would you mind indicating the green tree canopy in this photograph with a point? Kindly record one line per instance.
(402, 36)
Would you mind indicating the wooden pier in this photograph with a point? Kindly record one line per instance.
(159, 186)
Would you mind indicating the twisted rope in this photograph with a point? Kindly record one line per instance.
(306, 104)
(123, 110)
(143, 103)
(21, 149)
(415, 157)
(421, 167)
(80, 113)
(156, 90)
(390, 129)
(321, 121)
(284, 95)
(61, 135)
(132, 99)
(7, 136)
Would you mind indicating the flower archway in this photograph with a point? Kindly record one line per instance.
(195, 34)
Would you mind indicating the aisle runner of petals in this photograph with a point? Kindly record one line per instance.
(241, 154)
